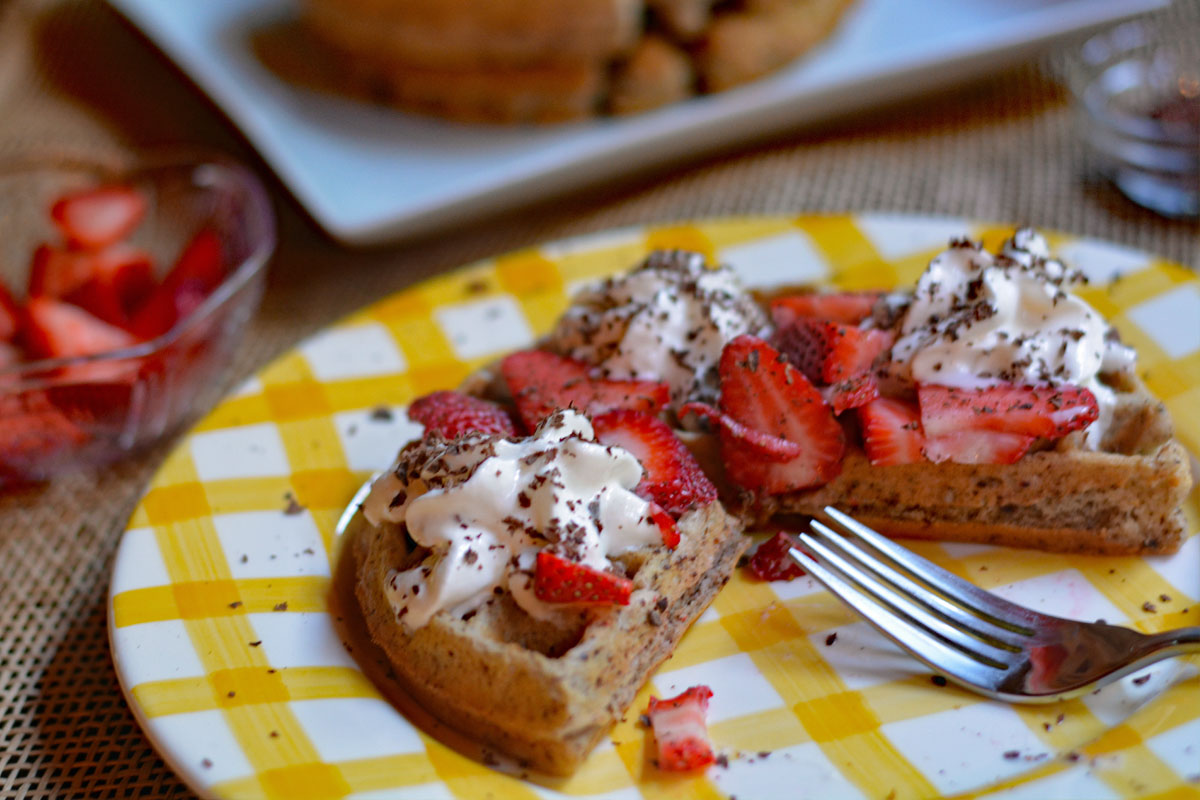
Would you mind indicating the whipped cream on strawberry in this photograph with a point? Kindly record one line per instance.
(978, 320)
(486, 505)
(667, 320)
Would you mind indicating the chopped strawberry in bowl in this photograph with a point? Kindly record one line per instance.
(122, 297)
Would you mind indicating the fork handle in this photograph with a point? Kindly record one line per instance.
(1181, 640)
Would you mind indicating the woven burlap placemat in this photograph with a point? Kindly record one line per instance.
(75, 78)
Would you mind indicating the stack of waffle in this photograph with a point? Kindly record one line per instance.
(552, 60)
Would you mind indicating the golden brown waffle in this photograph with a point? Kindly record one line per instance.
(549, 60)
(541, 694)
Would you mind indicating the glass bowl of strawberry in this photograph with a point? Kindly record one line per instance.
(125, 292)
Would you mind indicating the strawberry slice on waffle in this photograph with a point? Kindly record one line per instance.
(454, 414)
(542, 383)
(557, 580)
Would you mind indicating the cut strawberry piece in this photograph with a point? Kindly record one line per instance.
(681, 731)
(33, 433)
(772, 448)
(892, 432)
(557, 580)
(977, 447)
(666, 524)
(453, 414)
(543, 382)
(760, 389)
(672, 478)
(853, 392)
(97, 217)
(771, 561)
(848, 308)
(60, 330)
(827, 352)
(10, 315)
(199, 270)
(109, 283)
(1049, 412)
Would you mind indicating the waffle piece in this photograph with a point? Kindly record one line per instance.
(468, 34)
(741, 46)
(553, 60)
(1122, 499)
(540, 693)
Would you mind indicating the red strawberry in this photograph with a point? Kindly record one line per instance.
(827, 352)
(681, 731)
(672, 478)
(10, 315)
(891, 432)
(60, 330)
(853, 392)
(849, 308)
(453, 414)
(94, 218)
(199, 270)
(772, 448)
(977, 447)
(771, 561)
(557, 580)
(33, 432)
(1046, 411)
(10, 356)
(666, 524)
(543, 382)
(760, 389)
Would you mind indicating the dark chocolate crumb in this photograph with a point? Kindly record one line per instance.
(830, 639)
(644, 720)
(293, 507)
(1149, 607)
(938, 680)
(722, 761)
(206, 763)
(1012, 754)
(256, 643)
(1139, 681)
(381, 414)
(236, 604)
(280, 606)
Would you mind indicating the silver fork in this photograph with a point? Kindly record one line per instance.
(972, 637)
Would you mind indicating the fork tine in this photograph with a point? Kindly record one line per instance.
(929, 650)
(991, 607)
(962, 619)
(904, 610)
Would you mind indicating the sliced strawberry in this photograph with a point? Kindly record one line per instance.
(32, 433)
(59, 330)
(681, 731)
(849, 308)
(891, 432)
(666, 524)
(977, 447)
(672, 478)
(769, 447)
(827, 352)
(97, 406)
(1048, 412)
(760, 389)
(10, 315)
(453, 414)
(94, 218)
(853, 392)
(199, 270)
(557, 580)
(771, 561)
(543, 382)
(110, 282)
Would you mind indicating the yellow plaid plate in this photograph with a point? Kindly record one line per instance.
(226, 650)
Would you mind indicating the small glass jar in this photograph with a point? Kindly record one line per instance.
(1137, 92)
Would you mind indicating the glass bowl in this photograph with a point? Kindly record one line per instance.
(1137, 91)
(63, 413)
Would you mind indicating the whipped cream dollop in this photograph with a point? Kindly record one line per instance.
(977, 320)
(667, 320)
(485, 505)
